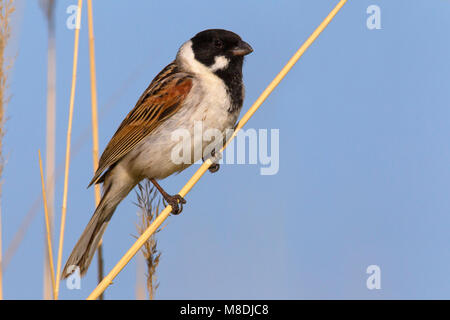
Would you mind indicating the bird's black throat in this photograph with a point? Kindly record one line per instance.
(232, 77)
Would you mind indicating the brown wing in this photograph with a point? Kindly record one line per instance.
(160, 101)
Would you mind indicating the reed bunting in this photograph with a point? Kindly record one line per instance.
(203, 83)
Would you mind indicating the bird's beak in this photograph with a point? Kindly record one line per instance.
(242, 49)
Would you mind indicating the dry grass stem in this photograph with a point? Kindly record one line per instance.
(68, 141)
(48, 8)
(47, 225)
(94, 113)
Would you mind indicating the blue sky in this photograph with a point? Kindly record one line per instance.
(364, 160)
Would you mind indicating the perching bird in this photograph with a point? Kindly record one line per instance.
(204, 83)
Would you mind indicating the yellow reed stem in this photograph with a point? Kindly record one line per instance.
(197, 175)
(47, 226)
(94, 112)
(93, 97)
(69, 133)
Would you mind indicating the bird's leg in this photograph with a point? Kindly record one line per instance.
(214, 158)
(176, 201)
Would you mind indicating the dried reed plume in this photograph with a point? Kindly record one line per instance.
(6, 10)
(148, 211)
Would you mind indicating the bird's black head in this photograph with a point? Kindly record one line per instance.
(219, 49)
(220, 52)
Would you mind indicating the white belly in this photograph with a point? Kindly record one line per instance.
(152, 158)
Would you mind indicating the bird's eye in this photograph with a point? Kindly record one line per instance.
(218, 44)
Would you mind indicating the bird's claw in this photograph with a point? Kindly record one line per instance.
(215, 158)
(176, 202)
(214, 167)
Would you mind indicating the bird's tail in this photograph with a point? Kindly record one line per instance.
(84, 250)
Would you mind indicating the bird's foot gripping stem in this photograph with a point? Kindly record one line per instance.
(215, 158)
(176, 201)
